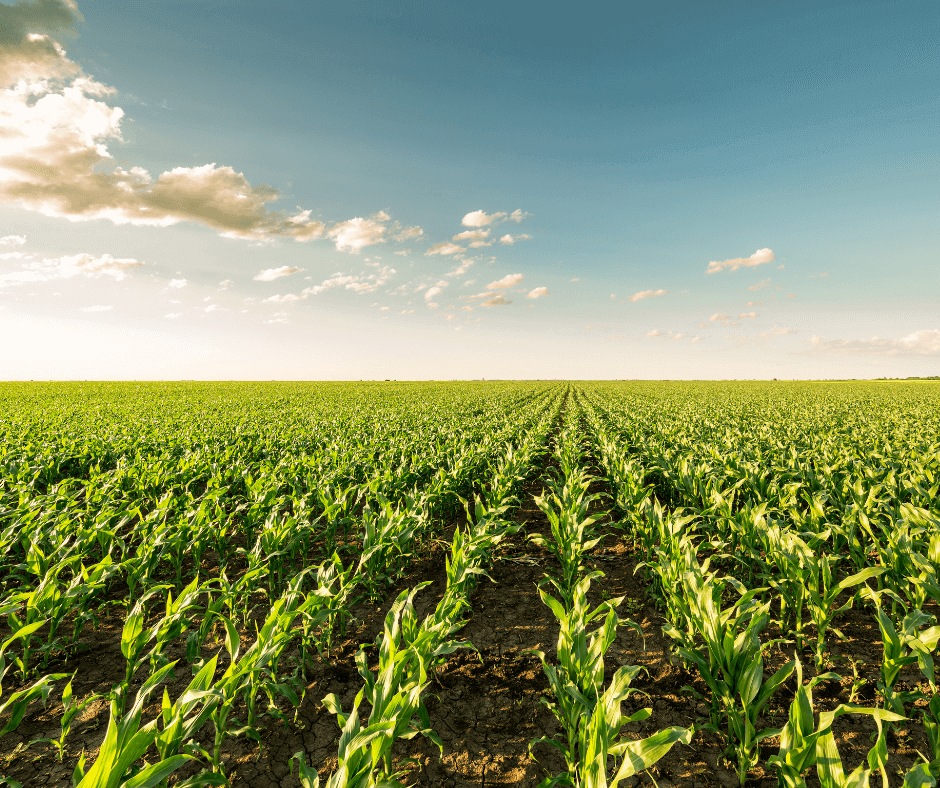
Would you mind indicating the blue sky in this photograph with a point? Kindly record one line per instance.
(682, 190)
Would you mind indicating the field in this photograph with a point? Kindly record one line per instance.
(486, 584)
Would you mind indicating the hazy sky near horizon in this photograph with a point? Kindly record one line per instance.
(452, 190)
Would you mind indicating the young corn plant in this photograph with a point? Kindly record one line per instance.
(572, 529)
(727, 651)
(125, 743)
(803, 743)
(70, 709)
(902, 647)
(590, 713)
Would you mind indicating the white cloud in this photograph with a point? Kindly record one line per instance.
(654, 333)
(754, 303)
(647, 294)
(225, 284)
(407, 233)
(55, 158)
(695, 339)
(471, 235)
(497, 300)
(509, 240)
(747, 314)
(760, 285)
(480, 218)
(13, 240)
(778, 331)
(510, 280)
(215, 308)
(517, 215)
(173, 315)
(538, 292)
(925, 342)
(719, 316)
(15, 256)
(404, 252)
(178, 283)
(576, 279)
(282, 299)
(70, 265)
(760, 257)
(67, 266)
(464, 266)
(270, 274)
(444, 248)
(433, 291)
(354, 234)
(363, 283)
(96, 308)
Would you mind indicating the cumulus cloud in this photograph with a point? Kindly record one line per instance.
(215, 308)
(747, 314)
(654, 333)
(434, 291)
(71, 265)
(178, 283)
(517, 216)
(96, 308)
(647, 294)
(354, 234)
(760, 257)
(13, 240)
(361, 283)
(27, 51)
(444, 248)
(509, 240)
(408, 233)
(280, 299)
(472, 235)
(270, 274)
(510, 280)
(55, 158)
(719, 316)
(538, 292)
(925, 342)
(67, 266)
(496, 300)
(225, 284)
(173, 315)
(481, 218)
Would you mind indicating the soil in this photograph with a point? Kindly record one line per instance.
(486, 705)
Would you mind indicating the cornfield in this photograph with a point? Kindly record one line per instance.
(495, 583)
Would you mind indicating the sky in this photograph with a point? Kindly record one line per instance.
(415, 190)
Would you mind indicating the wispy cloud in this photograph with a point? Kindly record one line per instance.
(96, 308)
(747, 314)
(538, 292)
(444, 248)
(760, 257)
(497, 300)
(13, 240)
(925, 342)
(510, 280)
(760, 285)
(509, 240)
(178, 284)
(647, 294)
(270, 274)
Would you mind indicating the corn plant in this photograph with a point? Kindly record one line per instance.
(125, 742)
(725, 647)
(572, 531)
(590, 713)
(904, 646)
(70, 709)
(803, 743)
